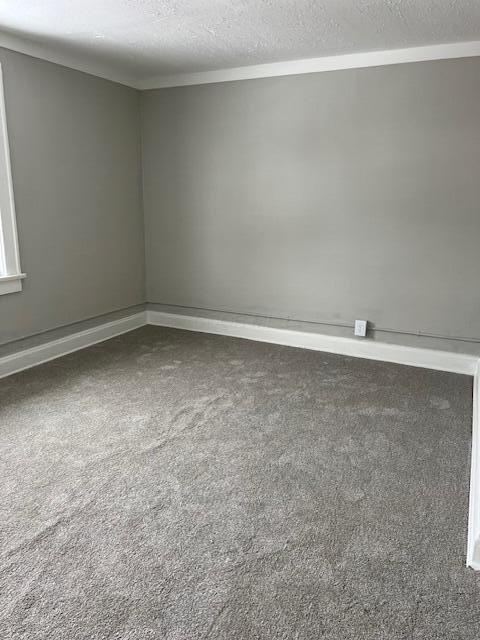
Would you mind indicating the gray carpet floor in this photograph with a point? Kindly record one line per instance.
(173, 485)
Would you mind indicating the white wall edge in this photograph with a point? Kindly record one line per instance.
(356, 347)
(34, 356)
(473, 545)
(316, 65)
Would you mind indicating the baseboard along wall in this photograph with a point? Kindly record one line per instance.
(356, 347)
(26, 358)
(360, 348)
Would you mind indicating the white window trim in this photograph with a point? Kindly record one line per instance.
(10, 272)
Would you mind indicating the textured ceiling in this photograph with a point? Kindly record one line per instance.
(144, 38)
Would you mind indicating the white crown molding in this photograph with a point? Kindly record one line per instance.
(77, 62)
(473, 546)
(316, 65)
(27, 358)
(289, 67)
(358, 348)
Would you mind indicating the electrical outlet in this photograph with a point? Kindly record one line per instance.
(360, 328)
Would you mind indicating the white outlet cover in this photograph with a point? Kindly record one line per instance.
(360, 328)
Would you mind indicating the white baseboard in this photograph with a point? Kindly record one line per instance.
(27, 358)
(360, 348)
(473, 546)
(426, 358)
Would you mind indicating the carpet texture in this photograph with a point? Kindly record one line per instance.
(181, 486)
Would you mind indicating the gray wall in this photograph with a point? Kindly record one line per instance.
(323, 197)
(76, 164)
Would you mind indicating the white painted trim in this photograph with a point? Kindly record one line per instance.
(50, 53)
(16, 276)
(79, 62)
(10, 271)
(74, 342)
(316, 65)
(359, 348)
(473, 546)
(11, 284)
(427, 358)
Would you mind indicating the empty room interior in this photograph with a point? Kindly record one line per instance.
(240, 320)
